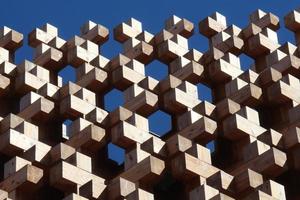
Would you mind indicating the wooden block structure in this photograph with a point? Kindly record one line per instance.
(55, 136)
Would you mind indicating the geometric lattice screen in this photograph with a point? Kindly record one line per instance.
(244, 144)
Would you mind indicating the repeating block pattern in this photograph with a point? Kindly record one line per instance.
(253, 119)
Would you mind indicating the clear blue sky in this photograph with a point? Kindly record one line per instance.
(69, 15)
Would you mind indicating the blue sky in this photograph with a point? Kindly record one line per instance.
(68, 16)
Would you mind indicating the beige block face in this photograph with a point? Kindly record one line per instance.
(14, 165)
(81, 161)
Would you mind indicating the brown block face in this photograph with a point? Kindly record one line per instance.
(60, 138)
